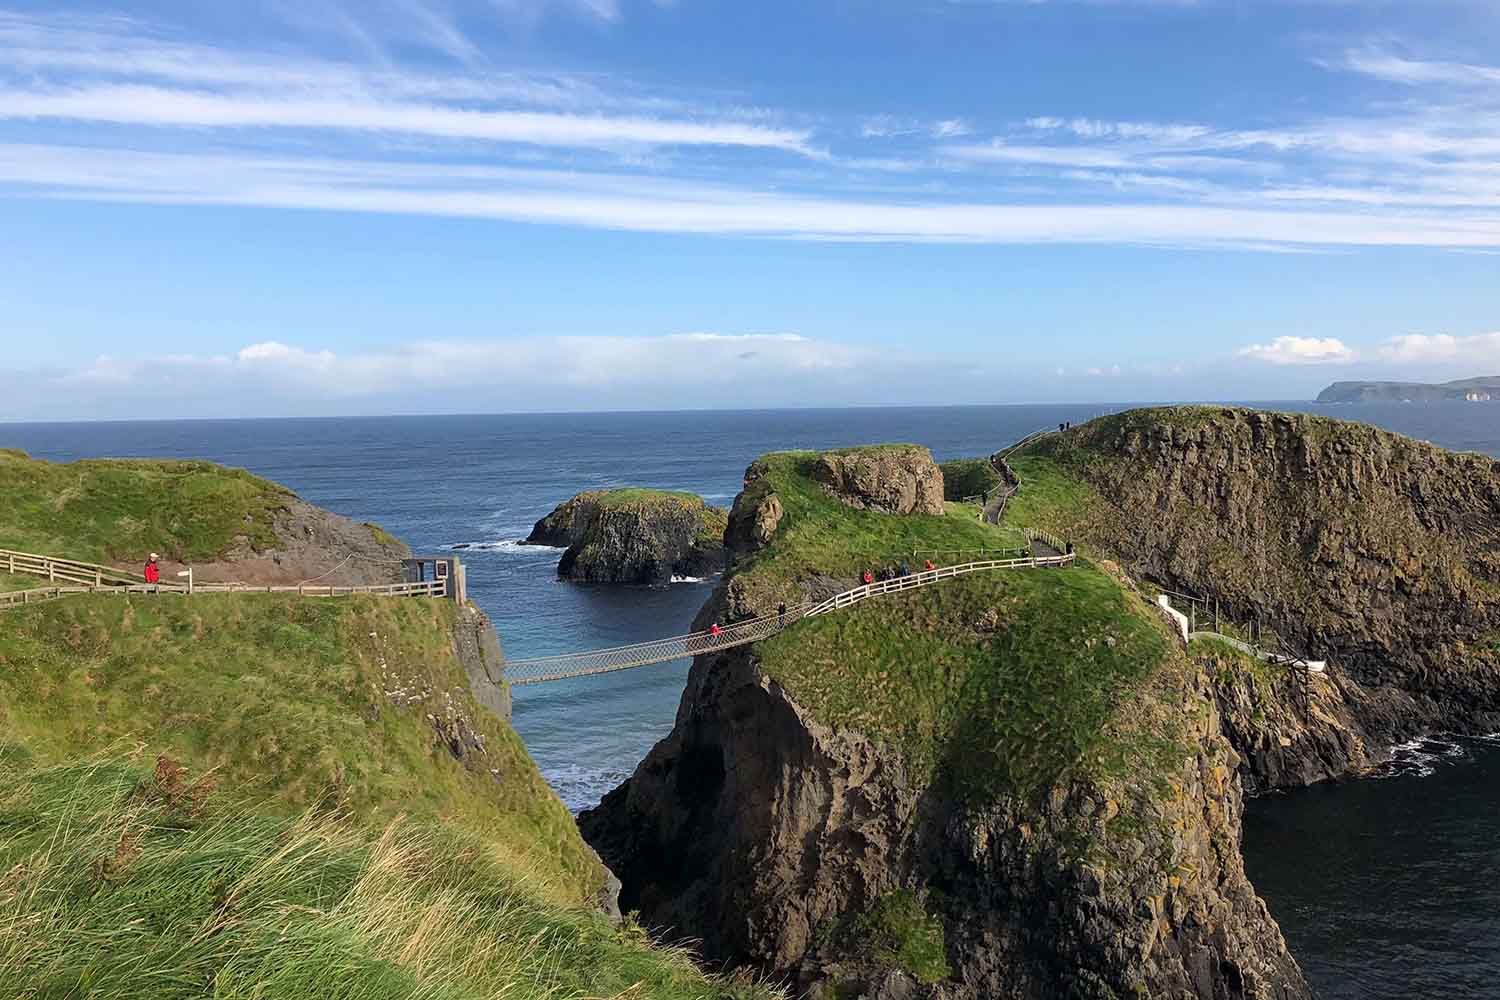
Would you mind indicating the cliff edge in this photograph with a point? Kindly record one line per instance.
(1010, 785)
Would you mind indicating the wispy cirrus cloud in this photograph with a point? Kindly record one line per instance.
(112, 110)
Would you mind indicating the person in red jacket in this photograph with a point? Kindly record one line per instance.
(152, 573)
(868, 578)
(928, 566)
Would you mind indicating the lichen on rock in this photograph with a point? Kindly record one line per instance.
(896, 479)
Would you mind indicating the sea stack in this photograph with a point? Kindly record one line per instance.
(634, 536)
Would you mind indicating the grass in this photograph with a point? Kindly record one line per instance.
(124, 882)
(989, 684)
(18, 582)
(968, 477)
(629, 496)
(820, 536)
(898, 931)
(301, 702)
(117, 509)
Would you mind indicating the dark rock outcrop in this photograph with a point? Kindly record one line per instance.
(1374, 552)
(768, 835)
(896, 479)
(755, 516)
(634, 537)
(567, 523)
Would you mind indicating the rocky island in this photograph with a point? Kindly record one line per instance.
(634, 536)
(1028, 785)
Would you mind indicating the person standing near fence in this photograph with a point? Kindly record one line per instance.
(781, 615)
(152, 572)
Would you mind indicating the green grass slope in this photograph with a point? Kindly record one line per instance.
(993, 683)
(345, 703)
(329, 814)
(125, 881)
(99, 510)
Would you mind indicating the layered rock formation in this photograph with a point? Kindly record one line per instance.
(895, 479)
(634, 537)
(830, 811)
(1375, 552)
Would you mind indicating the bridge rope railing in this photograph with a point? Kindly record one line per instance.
(681, 647)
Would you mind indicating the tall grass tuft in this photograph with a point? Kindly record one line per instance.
(122, 882)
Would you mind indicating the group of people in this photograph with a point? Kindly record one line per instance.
(895, 571)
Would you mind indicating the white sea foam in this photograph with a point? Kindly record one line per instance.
(1420, 757)
(688, 579)
(512, 546)
(582, 787)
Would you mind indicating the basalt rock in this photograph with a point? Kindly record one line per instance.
(895, 479)
(771, 837)
(756, 514)
(1375, 552)
(634, 537)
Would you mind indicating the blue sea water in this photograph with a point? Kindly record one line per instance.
(1319, 856)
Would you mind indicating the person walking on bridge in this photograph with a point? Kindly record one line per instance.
(868, 578)
(152, 573)
(781, 615)
(928, 566)
(714, 632)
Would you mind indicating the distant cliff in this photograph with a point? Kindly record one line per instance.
(1484, 389)
(634, 536)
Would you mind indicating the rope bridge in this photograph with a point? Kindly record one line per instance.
(681, 647)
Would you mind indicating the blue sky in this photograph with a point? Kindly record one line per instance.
(329, 206)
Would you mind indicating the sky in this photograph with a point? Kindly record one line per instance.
(306, 207)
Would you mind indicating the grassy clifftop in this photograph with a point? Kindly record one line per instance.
(263, 796)
(995, 682)
(256, 796)
(356, 704)
(99, 510)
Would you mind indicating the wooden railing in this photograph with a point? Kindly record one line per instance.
(424, 588)
(53, 569)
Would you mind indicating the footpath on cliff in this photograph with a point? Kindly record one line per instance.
(1014, 785)
(1029, 786)
(261, 795)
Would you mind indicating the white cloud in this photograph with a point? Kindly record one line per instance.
(156, 106)
(628, 202)
(1396, 69)
(1418, 348)
(1300, 351)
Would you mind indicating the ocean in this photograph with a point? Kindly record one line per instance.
(1424, 842)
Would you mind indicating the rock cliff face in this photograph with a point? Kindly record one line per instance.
(896, 479)
(833, 855)
(1374, 552)
(310, 543)
(772, 836)
(634, 537)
